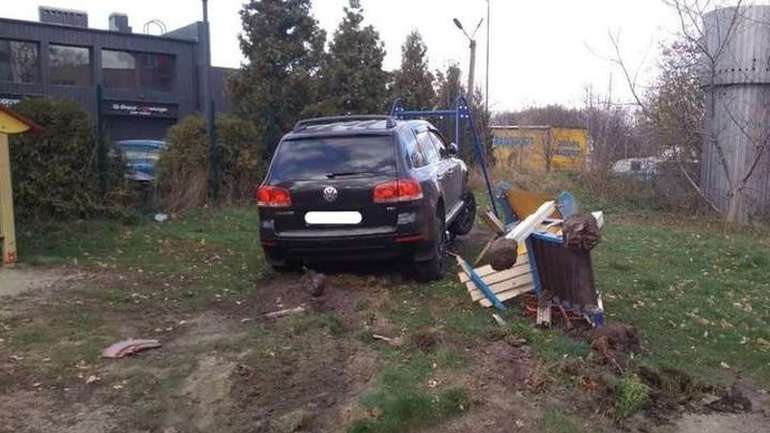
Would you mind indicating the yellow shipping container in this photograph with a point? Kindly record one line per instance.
(537, 148)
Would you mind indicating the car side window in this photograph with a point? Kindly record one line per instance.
(427, 147)
(442, 150)
(413, 153)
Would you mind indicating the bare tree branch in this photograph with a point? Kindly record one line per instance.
(697, 188)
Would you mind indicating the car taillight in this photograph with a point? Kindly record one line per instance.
(397, 190)
(273, 196)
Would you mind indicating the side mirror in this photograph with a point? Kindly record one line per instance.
(453, 149)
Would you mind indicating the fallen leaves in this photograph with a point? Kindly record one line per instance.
(93, 379)
(762, 344)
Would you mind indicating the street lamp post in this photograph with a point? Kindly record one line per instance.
(209, 110)
(472, 41)
(486, 81)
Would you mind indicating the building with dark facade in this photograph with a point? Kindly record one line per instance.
(139, 84)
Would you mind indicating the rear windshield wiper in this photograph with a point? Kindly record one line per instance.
(344, 173)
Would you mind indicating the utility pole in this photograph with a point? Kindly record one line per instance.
(486, 81)
(206, 61)
(472, 68)
(209, 110)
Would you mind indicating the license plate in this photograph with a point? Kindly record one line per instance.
(329, 218)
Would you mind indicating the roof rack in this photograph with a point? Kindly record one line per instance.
(390, 121)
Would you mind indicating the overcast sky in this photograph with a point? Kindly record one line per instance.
(542, 51)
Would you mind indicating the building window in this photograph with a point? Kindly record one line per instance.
(146, 71)
(19, 61)
(69, 66)
(119, 69)
(156, 71)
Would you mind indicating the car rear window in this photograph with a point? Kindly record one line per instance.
(321, 158)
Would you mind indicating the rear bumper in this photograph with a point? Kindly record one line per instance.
(410, 239)
(412, 246)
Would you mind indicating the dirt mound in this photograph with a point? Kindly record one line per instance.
(502, 254)
(671, 381)
(614, 342)
(581, 232)
(732, 401)
(425, 341)
(619, 337)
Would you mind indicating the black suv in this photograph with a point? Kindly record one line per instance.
(364, 188)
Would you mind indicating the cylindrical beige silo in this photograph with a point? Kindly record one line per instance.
(736, 76)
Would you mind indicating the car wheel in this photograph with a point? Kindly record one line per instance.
(463, 224)
(433, 269)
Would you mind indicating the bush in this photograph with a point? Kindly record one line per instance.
(630, 396)
(54, 171)
(183, 167)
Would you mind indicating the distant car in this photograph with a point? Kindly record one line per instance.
(364, 188)
(644, 168)
(141, 157)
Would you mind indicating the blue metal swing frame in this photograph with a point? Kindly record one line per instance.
(460, 113)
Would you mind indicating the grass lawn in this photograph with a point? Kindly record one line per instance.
(699, 295)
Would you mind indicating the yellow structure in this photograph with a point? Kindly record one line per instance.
(540, 148)
(10, 123)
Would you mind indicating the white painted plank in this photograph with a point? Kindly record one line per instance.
(500, 287)
(525, 228)
(510, 294)
(599, 216)
(486, 272)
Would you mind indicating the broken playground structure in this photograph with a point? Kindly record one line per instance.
(541, 249)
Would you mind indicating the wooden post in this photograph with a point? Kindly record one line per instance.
(10, 123)
(7, 228)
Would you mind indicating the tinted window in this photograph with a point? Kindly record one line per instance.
(427, 147)
(19, 61)
(439, 145)
(69, 65)
(127, 70)
(413, 154)
(315, 158)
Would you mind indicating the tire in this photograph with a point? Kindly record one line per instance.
(433, 269)
(463, 224)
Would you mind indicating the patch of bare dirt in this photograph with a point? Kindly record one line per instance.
(208, 390)
(324, 378)
(722, 423)
(18, 280)
(351, 299)
(275, 386)
(36, 412)
(500, 362)
(209, 327)
(496, 411)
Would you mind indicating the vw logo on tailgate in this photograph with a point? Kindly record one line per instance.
(330, 193)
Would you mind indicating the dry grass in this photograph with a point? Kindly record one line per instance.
(553, 182)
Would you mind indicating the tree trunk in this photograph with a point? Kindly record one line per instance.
(736, 212)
